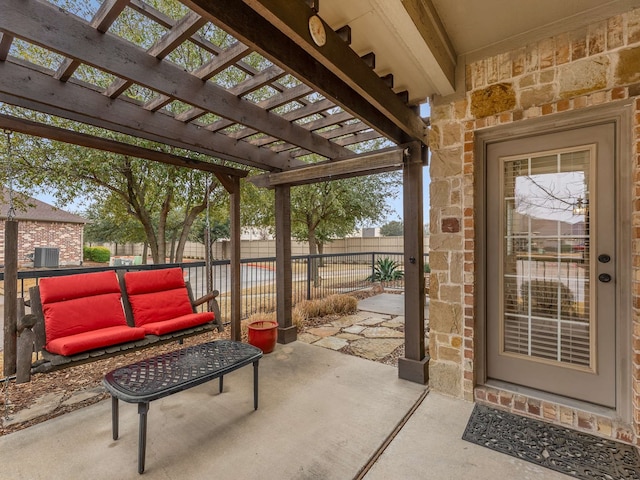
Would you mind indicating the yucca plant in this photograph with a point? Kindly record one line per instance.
(386, 270)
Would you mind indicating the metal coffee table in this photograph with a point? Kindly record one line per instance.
(169, 373)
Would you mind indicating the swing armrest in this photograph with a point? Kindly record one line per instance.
(205, 298)
(26, 322)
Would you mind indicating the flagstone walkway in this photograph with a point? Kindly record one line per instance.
(376, 332)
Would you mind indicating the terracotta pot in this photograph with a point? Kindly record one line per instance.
(263, 334)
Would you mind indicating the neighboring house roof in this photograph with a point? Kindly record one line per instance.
(29, 208)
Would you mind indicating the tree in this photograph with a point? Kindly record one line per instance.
(218, 230)
(393, 228)
(110, 222)
(165, 200)
(324, 211)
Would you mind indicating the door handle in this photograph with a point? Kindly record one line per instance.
(604, 277)
(604, 258)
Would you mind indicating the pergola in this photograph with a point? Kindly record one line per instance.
(322, 97)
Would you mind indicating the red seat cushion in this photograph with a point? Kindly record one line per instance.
(103, 337)
(179, 323)
(81, 303)
(157, 295)
(56, 289)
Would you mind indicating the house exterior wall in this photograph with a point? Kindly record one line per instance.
(597, 65)
(65, 236)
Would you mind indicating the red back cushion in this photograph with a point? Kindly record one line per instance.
(80, 303)
(157, 295)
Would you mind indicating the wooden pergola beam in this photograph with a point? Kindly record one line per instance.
(47, 26)
(36, 90)
(68, 136)
(427, 21)
(107, 13)
(5, 45)
(366, 164)
(279, 30)
(183, 29)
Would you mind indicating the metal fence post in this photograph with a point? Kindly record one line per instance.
(308, 257)
(373, 265)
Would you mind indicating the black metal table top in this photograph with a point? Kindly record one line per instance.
(172, 372)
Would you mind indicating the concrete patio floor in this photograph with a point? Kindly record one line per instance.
(322, 415)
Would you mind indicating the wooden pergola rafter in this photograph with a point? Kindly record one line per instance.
(304, 99)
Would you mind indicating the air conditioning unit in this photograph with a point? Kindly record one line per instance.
(46, 257)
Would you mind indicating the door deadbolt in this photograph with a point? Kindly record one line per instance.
(604, 258)
(604, 277)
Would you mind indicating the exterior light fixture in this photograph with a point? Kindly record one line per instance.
(580, 207)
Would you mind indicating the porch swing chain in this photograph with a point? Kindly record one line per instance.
(11, 213)
(208, 265)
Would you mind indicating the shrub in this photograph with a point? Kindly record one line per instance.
(386, 270)
(544, 298)
(96, 254)
(427, 268)
(338, 304)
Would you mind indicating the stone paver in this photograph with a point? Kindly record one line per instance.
(349, 336)
(382, 332)
(369, 334)
(334, 343)
(83, 395)
(347, 321)
(43, 406)
(373, 321)
(324, 331)
(393, 324)
(355, 329)
(308, 338)
(375, 348)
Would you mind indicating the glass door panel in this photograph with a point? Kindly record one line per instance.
(546, 257)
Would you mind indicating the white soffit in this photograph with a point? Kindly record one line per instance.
(385, 28)
(480, 28)
(475, 28)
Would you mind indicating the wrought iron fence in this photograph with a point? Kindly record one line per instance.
(313, 276)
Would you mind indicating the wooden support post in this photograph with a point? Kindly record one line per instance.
(10, 296)
(236, 293)
(414, 366)
(287, 332)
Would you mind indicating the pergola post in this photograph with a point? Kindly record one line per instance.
(287, 332)
(234, 200)
(10, 296)
(414, 366)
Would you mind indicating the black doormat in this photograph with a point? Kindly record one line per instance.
(567, 451)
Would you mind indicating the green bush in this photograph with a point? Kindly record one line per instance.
(427, 268)
(96, 254)
(386, 270)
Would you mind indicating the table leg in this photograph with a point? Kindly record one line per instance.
(114, 417)
(143, 408)
(255, 384)
(221, 381)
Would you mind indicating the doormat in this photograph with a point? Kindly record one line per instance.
(561, 449)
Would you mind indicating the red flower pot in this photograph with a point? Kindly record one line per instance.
(263, 334)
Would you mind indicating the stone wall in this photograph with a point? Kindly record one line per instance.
(65, 236)
(575, 70)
